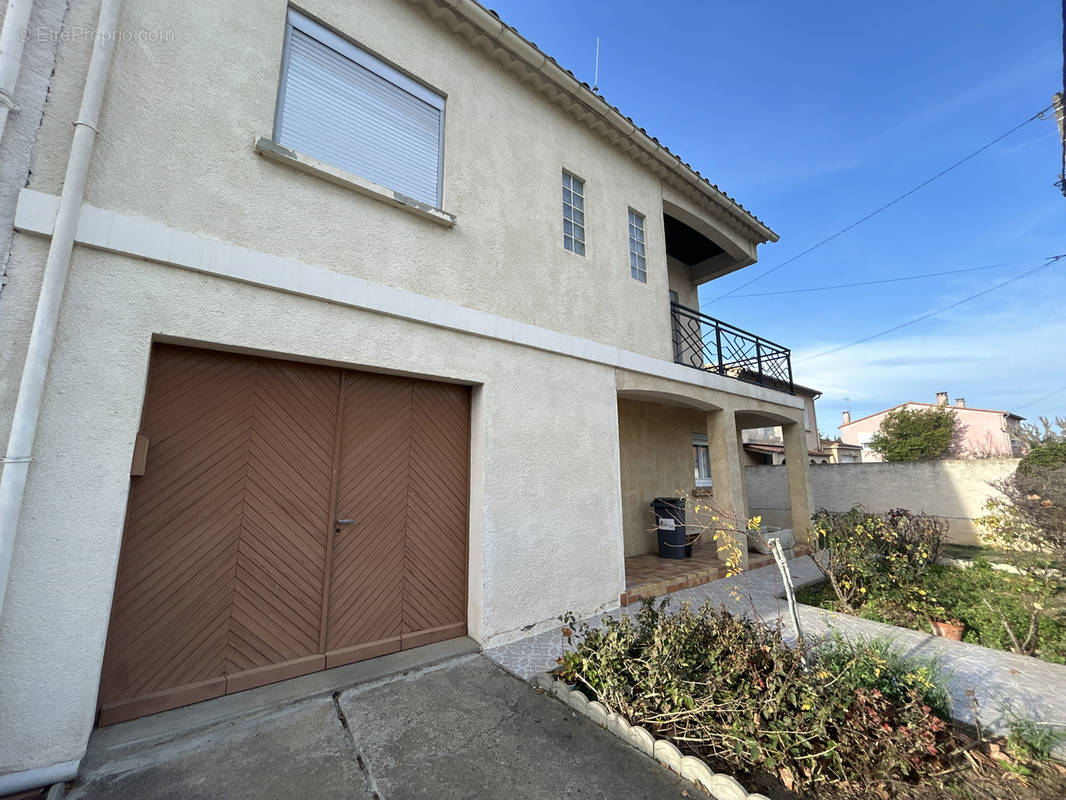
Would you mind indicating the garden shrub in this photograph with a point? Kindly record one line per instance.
(979, 597)
(1036, 493)
(862, 553)
(730, 689)
(1004, 526)
(1043, 457)
(876, 665)
(847, 552)
(1031, 521)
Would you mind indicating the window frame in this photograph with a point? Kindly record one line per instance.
(642, 242)
(700, 441)
(583, 211)
(352, 50)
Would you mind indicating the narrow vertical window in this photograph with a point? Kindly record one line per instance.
(573, 214)
(638, 261)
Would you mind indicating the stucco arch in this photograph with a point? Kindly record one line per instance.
(666, 399)
(750, 418)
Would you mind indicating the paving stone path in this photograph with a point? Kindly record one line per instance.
(1006, 685)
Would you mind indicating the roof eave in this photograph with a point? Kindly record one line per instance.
(482, 23)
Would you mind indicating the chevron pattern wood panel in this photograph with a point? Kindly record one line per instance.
(173, 593)
(367, 567)
(435, 547)
(232, 572)
(287, 517)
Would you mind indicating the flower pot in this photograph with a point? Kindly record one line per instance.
(949, 630)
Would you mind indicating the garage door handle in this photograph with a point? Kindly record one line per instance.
(345, 521)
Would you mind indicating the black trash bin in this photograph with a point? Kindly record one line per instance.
(670, 525)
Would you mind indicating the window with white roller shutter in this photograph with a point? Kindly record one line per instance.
(341, 105)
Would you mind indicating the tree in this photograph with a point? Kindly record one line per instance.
(1037, 490)
(1044, 433)
(1032, 522)
(919, 435)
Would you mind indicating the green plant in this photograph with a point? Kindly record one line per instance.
(731, 689)
(1031, 521)
(848, 552)
(1032, 741)
(1036, 493)
(860, 552)
(1004, 526)
(909, 542)
(915, 435)
(991, 604)
(1043, 457)
(569, 665)
(1033, 435)
(875, 664)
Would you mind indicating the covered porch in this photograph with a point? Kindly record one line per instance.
(679, 441)
(649, 575)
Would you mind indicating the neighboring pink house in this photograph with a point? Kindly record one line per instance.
(980, 433)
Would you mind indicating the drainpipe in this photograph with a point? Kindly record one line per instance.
(45, 321)
(12, 38)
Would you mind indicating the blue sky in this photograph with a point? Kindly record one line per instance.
(814, 114)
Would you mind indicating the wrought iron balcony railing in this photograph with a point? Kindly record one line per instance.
(709, 344)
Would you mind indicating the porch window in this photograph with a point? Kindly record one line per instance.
(701, 457)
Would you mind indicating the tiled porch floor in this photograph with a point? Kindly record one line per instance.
(651, 576)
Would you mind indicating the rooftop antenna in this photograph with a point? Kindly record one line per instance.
(596, 78)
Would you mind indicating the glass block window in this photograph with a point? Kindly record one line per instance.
(573, 214)
(638, 261)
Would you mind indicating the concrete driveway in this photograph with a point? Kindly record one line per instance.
(464, 729)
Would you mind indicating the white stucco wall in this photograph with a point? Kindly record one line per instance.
(179, 122)
(175, 147)
(16, 148)
(530, 503)
(955, 490)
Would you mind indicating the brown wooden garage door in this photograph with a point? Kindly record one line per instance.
(290, 518)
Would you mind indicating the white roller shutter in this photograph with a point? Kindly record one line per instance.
(349, 109)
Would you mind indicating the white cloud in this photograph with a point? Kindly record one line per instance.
(998, 352)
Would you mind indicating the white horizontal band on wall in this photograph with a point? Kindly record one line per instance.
(125, 234)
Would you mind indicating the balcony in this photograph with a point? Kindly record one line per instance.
(703, 342)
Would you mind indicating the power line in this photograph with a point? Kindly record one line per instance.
(886, 206)
(1041, 399)
(1048, 263)
(893, 280)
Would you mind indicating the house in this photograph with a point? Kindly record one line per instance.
(842, 453)
(979, 432)
(331, 332)
(765, 446)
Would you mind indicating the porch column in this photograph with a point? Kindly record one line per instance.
(799, 485)
(727, 476)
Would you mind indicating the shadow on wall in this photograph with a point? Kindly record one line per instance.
(953, 490)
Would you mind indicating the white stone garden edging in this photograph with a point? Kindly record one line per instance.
(717, 784)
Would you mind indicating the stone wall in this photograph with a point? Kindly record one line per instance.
(953, 490)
